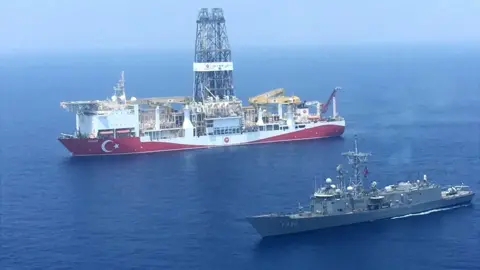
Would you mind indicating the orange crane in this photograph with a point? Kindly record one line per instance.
(275, 96)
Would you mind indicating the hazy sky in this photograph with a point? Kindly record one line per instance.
(70, 25)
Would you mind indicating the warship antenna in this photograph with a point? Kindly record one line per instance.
(356, 159)
(340, 173)
(119, 90)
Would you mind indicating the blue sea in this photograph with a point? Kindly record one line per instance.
(416, 109)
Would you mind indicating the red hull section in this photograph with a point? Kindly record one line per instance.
(133, 145)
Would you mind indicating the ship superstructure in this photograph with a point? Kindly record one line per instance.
(212, 116)
(347, 201)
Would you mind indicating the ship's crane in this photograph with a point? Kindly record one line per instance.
(331, 99)
(275, 96)
(323, 107)
(265, 96)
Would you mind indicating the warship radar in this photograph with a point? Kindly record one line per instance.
(345, 201)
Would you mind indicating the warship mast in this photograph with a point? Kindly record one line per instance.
(356, 159)
(119, 90)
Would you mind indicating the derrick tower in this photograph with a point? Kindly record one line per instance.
(213, 67)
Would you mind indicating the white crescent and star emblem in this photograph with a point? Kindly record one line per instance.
(104, 149)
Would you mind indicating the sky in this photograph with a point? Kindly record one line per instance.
(79, 25)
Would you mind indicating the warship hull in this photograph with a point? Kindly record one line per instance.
(275, 224)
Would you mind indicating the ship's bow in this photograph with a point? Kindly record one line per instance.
(95, 147)
(273, 225)
(73, 145)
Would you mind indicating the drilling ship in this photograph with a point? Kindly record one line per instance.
(212, 117)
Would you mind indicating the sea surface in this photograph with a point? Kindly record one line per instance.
(416, 109)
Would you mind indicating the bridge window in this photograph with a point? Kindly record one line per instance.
(225, 131)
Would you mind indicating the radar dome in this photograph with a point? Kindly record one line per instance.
(328, 180)
(133, 98)
(122, 97)
(338, 190)
(350, 188)
(333, 186)
(114, 98)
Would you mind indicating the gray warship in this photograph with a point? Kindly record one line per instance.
(339, 204)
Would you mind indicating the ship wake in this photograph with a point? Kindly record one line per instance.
(430, 211)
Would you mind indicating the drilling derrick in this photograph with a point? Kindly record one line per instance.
(212, 116)
(213, 67)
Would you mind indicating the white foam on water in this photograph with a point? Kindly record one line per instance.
(430, 211)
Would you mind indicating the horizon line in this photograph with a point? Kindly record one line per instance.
(249, 47)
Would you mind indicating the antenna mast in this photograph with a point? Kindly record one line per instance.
(356, 159)
(119, 90)
(340, 173)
